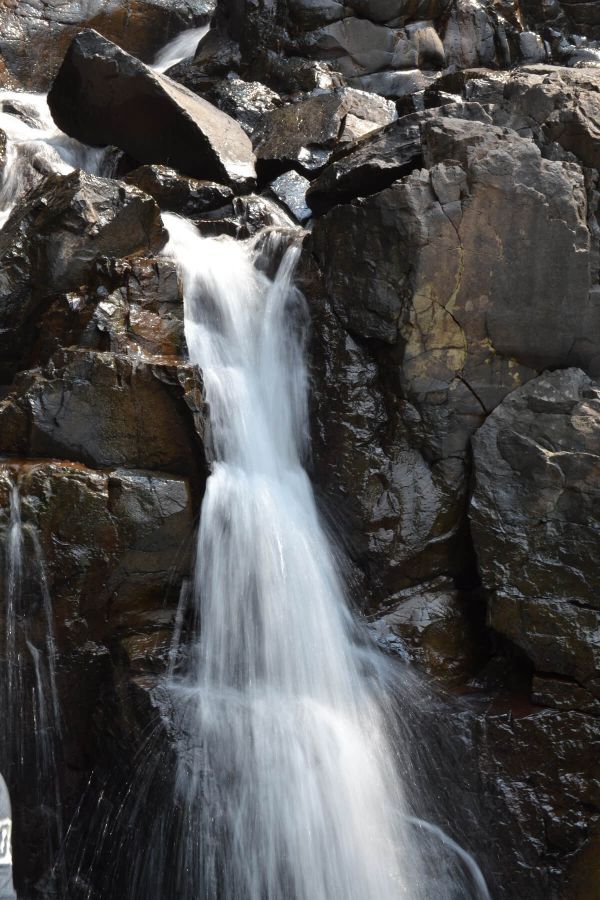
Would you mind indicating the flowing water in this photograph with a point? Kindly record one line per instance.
(181, 47)
(300, 798)
(31, 736)
(287, 772)
(35, 148)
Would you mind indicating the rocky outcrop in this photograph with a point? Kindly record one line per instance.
(102, 96)
(535, 524)
(140, 26)
(52, 242)
(403, 271)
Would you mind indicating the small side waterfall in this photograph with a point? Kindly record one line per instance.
(180, 48)
(30, 741)
(35, 148)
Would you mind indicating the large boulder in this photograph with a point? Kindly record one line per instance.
(140, 26)
(535, 522)
(102, 96)
(106, 410)
(303, 135)
(52, 241)
(451, 306)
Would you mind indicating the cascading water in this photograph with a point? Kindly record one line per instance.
(30, 742)
(180, 48)
(36, 148)
(287, 765)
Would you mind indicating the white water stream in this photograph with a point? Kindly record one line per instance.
(300, 795)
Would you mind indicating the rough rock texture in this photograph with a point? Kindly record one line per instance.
(304, 134)
(403, 271)
(52, 241)
(534, 520)
(140, 26)
(102, 96)
(175, 193)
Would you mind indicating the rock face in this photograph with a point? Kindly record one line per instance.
(52, 241)
(141, 26)
(102, 96)
(534, 519)
(403, 273)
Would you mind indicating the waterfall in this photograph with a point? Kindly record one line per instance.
(287, 762)
(181, 47)
(30, 742)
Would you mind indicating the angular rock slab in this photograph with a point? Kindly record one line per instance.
(535, 520)
(115, 543)
(102, 96)
(52, 241)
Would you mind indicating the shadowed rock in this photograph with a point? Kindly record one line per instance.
(102, 96)
(535, 523)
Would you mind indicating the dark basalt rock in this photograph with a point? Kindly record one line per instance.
(435, 334)
(177, 193)
(142, 27)
(103, 96)
(377, 160)
(303, 135)
(534, 519)
(106, 410)
(51, 243)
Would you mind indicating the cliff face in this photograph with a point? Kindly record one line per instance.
(444, 156)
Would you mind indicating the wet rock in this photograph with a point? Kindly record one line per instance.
(142, 27)
(432, 626)
(132, 307)
(403, 271)
(106, 410)
(304, 134)
(379, 159)
(245, 217)
(177, 193)
(535, 524)
(246, 101)
(290, 189)
(102, 96)
(52, 241)
(111, 567)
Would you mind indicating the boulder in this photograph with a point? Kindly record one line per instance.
(379, 159)
(303, 135)
(290, 190)
(52, 241)
(140, 26)
(105, 411)
(535, 523)
(442, 329)
(102, 96)
(177, 193)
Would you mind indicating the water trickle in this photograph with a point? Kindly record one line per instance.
(30, 742)
(181, 47)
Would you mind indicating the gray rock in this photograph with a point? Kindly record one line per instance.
(102, 96)
(394, 85)
(304, 134)
(535, 523)
(290, 189)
